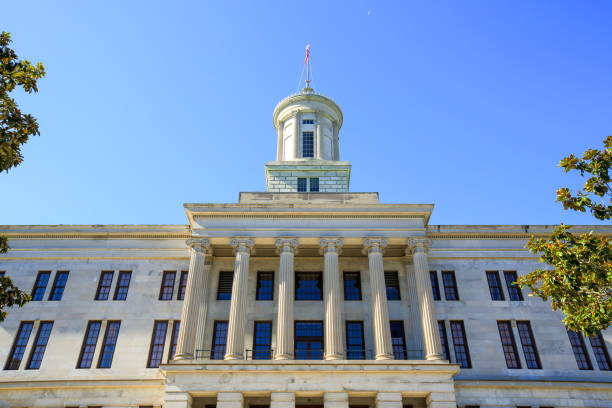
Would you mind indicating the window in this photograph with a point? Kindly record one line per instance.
(59, 283)
(104, 285)
(530, 351)
(219, 342)
(123, 284)
(40, 345)
(495, 288)
(224, 290)
(450, 285)
(398, 340)
(580, 351)
(89, 344)
(309, 286)
(308, 340)
(601, 352)
(109, 343)
(265, 286)
(462, 352)
(307, 144)
(301, 186)
(355, 347)
(158, 341)
(174, 339)
(262, 341)
(19, 346)
(38, 292)
(314, 184)
(308, 121)
(167, 286)
(182, 285)
(435, 285)
(508, 345)
(514, 292)
(392, 285)
(352, 286)
(444, 339)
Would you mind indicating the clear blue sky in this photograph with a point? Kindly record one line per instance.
(465, 104)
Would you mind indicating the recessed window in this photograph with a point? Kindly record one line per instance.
(265, 286)
(219, 342)
(308, 340)
(398, 340)
(176, 327)
(109, 344)
(495, 287)
(302, 185)
(601, 352)
(450, 285)
(158, 341)
(352, 286)
(314, 184)
(514, 292)
(508, 344)
(19, 346)
(530, 350)
(580, 351)
(444, 340)
(89, 344)
(462, 351)
(308, 286)
(182, 285)
(40, 286)
(40, 345)
(355, 345)
(307, 144)
(308, 121)
(392, 285)
(167, 285)
(224, 289)
(262, 341)
(123, 285)
(435, 285)
(59, 284)
(104, 285)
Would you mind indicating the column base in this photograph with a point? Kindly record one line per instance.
(233, 356)
(335, 356)
(283, 357)
(183, 356)
(385, 357)
(434, 357)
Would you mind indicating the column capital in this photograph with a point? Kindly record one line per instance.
(331, 245)
(199, 245)
(287, 245)
(417, 245)
(243, 245)
(372, 245)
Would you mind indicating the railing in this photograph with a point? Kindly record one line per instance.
(402, 353)
(308, 354)
(359, 354)
(218, 354)
(399, 353)
(259, 354)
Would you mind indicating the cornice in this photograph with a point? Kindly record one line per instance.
(307, 97)
(95, 235)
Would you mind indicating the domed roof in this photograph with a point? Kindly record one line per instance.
(307, 94)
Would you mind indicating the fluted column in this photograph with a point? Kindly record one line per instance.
(334, 345)
(415, 332)
(319, 136)
(238, 307)
(201, 329)
(296, 135)
(185, 346)
(279, 140)
(431, 337)
(380, 312)
(286, 248)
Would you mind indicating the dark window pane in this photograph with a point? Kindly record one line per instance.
(444, 339)
(495, 288)
(123, 285)
(158, 341)
(530, 350)
(89, 344)
(307, 144)
(19, 346)
(392, 285)
(314, 184)
(174, 339)
(435, 285)
(224, 290)
(352, 286)
(59, 284)
(38, 292)
(601, 352)
(355, 345)
(450, 285)
(40, 345)
(109, 343)
(219, 341)
(167, 287)
(580, 351)
(462, 351)
(308, 121)
(104, 285)
(398, 340)
(182, 285)
(301, 185)
(508, 345)
(308, 340)
(265, 286)
(514, 292)
(308, 286)
(262, 341)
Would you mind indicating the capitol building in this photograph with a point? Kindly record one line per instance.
(307, 295)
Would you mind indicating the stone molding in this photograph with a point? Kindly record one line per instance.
(331, 245)
(287, 245)
(374, 245)
(243, 245)
(200, 245)
(418, 245)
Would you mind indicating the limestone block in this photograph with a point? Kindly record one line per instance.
(177, 400)
(282, 400)
(389, 400)
(336, 400)
(230, 400)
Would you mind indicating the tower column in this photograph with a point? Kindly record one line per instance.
(431, 337)
(287, 248)
(194, 292)
(237, 319)
(319, 136)
(331, 249)
(279, 140)
(296, 135)
(380, 312)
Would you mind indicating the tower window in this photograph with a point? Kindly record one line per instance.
(307, 144)
(314, 184)
(308, 121)
(301, 187)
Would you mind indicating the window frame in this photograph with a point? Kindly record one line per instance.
(508, 343)
(223, 281)
(182, 287)
(444, 340)
(86, 343)
(495, 286)
(308, 147)
(356, 288)
(119, 286)
(176, 327)
(403, 353)
(165, 286)
(462, 335)
(260, 290)
(450, 288)
(313, 186)
(221, 346)
(319, 280)
(515, 294)
(302, 185)
(600, 351)
(58, 287)
(392, 285)
(21, 341)
(106, 342)
(582, 350)
(311, 353)
(353, 353)
(37, 353)
(435, 285)
(158, 340)
(37, 286)
(101, 286)
(264, 353)
(528, 344)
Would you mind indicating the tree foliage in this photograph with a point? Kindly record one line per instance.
(580, 280)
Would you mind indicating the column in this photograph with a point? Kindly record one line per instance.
(389, 400)
(177, 399)
(431, 337)
(238, 306)
(230, 400)
(441, 399)
(296, 135)
(194, 292)
(201, 329)
(415, 332)
(336, 400)
(286, 248)
(336, 142)
(282, 400)
(332, 297)
(279, 140)
(319, 136)
(380, 311)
